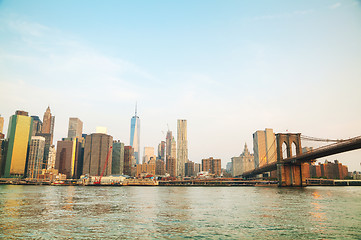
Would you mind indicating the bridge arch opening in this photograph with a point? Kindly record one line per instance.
(293, 149)
(284, 150)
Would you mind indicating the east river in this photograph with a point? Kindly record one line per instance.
(64, 212)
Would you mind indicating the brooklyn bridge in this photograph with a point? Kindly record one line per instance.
(291, 163)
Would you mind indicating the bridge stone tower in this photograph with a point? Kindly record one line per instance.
(292, 174)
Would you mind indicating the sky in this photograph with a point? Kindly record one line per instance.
(229, 68)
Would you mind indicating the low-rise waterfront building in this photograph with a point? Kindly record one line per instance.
(212, 166)
(159, 167)
(329, 170)
(189, 169)
(145, 169)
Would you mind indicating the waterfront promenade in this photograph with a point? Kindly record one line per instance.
(219, 182)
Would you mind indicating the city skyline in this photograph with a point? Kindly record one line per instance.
(285, 66)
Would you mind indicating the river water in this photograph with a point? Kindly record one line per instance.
(48, 212)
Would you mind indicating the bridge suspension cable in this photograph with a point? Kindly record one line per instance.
(265, 156)
(303, 137)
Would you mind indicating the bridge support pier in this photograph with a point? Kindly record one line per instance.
(292, 175)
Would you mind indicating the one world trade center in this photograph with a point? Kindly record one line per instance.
(134, 135)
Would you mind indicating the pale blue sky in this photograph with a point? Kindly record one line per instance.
(228, 67)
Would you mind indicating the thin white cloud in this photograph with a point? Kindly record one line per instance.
(27, 28)
(336, 5)
(284, 15)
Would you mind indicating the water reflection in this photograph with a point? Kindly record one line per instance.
(184, 212)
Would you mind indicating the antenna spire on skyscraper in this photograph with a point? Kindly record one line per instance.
(134, 134)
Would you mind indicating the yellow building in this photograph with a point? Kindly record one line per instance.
(264, 147)
(145, 169)
(1, 124)
(19, 136)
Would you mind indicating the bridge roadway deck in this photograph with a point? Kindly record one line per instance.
(340, 147)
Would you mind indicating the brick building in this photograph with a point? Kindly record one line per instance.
(172, 166)
(212, 166)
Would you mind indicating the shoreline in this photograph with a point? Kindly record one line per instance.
(189, 183)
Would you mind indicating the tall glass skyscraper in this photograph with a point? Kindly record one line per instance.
(134, 135)
(18, 138)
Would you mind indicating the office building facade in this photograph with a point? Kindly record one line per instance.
(135, 135)
(18, 141)
(48, 144)
(128, 160)
(35, 157)
(96, 151)
(189, 169)
(37, 125)
(75, 128)
(161, 150)
(264, 147)
(168, 143)
(51, 158)
(48, 124)
(148, 154)
(118, 158)
(172, 166)
(1, 124)
(68, 158)
(212, 166)
(159, 167)
(243, 163)
(182, 147)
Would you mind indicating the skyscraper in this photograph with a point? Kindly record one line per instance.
(18, 140)
(161, 150)
(75, 128)
(47, 131)
(2, 159)
(68, 156)
(134, 135)
(37, 125)
(35, 159)
(264, 147)
(168, 143)
(148, 153)
(128, 156)
(47, 137)
(168, 147)
(52, 157)
(173, 150)
(118, 158)
(48, 124)
(2, 135)
(182, 147)
(172, 166)
(96, 150)
(1, 124)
